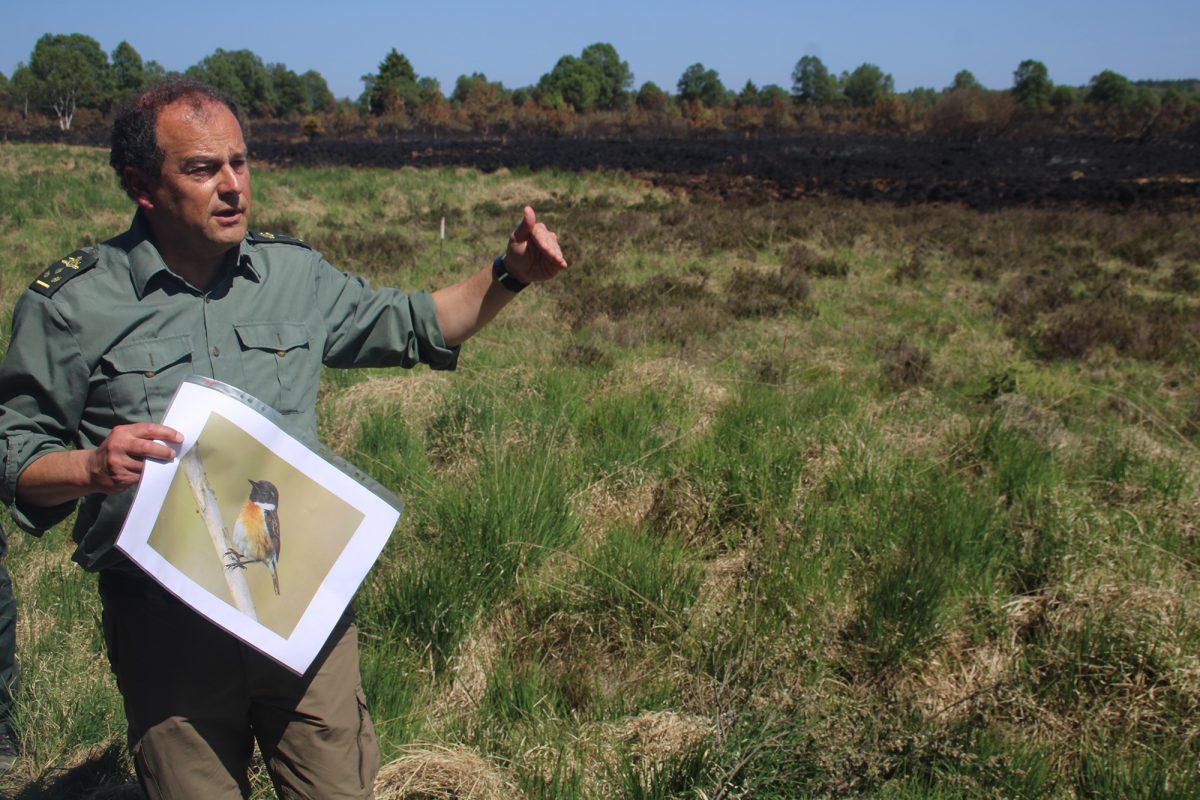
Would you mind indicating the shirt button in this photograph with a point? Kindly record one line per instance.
(149, 373)
(280, 353)
(216, 352)
(208, 299)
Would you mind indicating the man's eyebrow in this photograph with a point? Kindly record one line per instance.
(196, 160)
(192, 161)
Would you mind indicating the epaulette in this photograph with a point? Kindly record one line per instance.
(262, 237)
(58, 273)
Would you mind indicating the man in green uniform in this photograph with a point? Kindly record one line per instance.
(100, 342)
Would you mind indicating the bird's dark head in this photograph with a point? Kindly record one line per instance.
(263, 492)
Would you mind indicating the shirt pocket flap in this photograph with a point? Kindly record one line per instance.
(276, 336)
(149, 356)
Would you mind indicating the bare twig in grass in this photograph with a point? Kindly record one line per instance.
(995, 687)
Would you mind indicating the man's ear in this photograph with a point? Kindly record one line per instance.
(139, 187)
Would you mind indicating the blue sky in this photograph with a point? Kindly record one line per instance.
(921, 42)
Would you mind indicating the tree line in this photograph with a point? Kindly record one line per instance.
(70, 74)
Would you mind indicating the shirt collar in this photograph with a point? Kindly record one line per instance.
(145, 262)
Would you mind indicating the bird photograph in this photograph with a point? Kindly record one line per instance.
(256, 531)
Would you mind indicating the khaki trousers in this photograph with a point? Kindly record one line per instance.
(196, 699)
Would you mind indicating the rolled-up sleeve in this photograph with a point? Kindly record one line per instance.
(379, 327)
(43, 383)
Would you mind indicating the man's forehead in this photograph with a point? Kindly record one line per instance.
(192, 108)
(192, 122)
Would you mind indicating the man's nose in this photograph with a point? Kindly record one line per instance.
(231, 180)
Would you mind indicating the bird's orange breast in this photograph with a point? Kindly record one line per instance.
(252, 538)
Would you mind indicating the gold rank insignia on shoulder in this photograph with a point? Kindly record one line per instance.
(58, 273)
(262, 237)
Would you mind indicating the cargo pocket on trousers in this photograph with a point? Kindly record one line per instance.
(368, 747)
(108, 626)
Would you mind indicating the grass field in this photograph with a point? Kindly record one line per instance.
(777, 500)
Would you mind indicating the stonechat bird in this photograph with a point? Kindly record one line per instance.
(256, 532)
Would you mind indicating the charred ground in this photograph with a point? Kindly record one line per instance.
(984, 175)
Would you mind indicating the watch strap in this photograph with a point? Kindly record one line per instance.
(502, 276)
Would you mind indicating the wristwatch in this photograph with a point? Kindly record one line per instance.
(502, 276)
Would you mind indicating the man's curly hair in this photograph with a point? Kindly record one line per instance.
(135, 127)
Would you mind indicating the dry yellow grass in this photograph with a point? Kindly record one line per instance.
(956, 675)
(916, 423)
(598, 750)
(434, 772)
(722, 578)
(655, 737)
(603, 505)
(501, 188)
(305, 212)
(470, 666)
(702, 394)
(415, 396)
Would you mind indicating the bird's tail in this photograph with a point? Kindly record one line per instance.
(274, 576)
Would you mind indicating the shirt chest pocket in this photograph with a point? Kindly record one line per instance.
(276, 360)
(142, 376)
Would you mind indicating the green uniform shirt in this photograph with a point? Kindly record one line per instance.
(110, 343)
